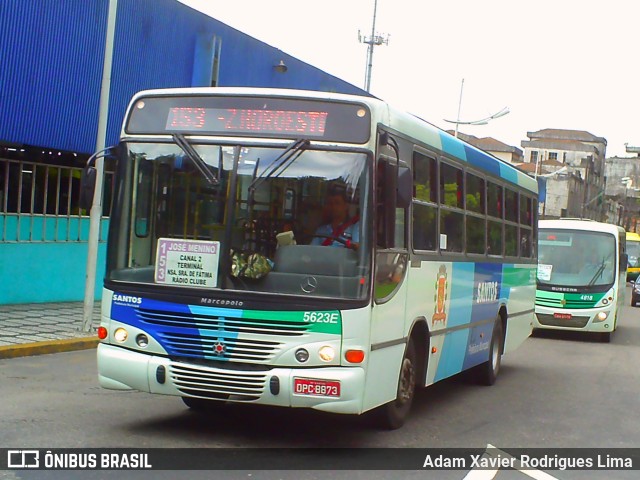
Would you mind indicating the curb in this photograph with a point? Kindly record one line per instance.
(48, 346)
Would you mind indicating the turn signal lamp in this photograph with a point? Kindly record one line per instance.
(102, 333)
(354, 356)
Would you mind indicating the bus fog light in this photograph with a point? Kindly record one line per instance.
(120, 335)
(602, 316)
(302, 355)
(327, 353)
(142, 340)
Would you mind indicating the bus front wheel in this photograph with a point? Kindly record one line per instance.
(393, 415)
(488, 371)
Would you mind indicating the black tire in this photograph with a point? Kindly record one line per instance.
(202, 404)
(487, 372)
(394, 414)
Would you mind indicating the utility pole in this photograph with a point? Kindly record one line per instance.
(96, 207)
(372, 41)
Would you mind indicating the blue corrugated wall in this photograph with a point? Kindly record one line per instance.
(51, 57)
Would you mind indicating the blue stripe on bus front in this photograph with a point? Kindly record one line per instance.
(220, 336)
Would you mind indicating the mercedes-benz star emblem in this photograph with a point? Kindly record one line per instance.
(309, 285)
(219, 348)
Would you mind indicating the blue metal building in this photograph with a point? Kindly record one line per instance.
(51, 61)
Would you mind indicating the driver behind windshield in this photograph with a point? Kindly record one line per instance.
(341, 230)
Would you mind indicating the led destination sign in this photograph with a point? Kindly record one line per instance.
(311, 124)
(267, 117)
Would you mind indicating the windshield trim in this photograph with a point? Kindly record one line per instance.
(252, 299)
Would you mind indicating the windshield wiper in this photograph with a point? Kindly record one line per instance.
(598, 273)
(280, 164)
(195, 158)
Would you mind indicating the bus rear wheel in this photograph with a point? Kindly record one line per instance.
(488, 371)
(394, 414)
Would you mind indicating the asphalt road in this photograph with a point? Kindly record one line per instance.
(557, 390)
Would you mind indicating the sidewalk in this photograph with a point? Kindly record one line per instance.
(39, 328)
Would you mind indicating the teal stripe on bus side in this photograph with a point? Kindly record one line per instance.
(453, 146)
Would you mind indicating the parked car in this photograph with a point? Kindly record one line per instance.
(635, 292)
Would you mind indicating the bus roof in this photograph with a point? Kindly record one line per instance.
(577, 224)
(411, 125)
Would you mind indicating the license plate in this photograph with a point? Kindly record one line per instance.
(320, 388)
(562, 316)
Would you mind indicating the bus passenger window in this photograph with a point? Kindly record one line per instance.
(475, 193)
(452, 225)
(495, 238)
(511, 240)
(425, 184)
(425, 227)
(494, 200)
(525, 242)
(526, 217)
(451, 186)
(476, 229)
(511, 205)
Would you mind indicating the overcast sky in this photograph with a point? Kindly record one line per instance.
(569, 64)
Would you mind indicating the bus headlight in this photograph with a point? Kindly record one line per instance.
(601, 317)
(120, 335)
(327, 353)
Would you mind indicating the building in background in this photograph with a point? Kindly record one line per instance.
(50, 79)
(572, 161)
(623, 190)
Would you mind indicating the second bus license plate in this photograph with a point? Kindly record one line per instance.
(321, 388)
(562, 316)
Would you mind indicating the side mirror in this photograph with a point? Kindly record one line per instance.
(87, 186)
(405, 187)
(390, 201)
(624, 262)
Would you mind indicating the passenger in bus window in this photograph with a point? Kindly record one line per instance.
(341, 230)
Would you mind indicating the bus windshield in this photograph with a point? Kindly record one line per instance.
(289, 220)
(633, 250)
(576, 259)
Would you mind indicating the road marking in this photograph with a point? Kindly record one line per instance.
(490, 474)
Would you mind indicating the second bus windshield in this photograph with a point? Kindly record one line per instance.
(570, 258)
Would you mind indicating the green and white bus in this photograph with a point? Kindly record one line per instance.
(306, 249)
(581, 276)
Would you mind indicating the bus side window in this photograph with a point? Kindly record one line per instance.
(425, 211)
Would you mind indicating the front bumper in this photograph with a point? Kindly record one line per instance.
(123, 369)
(582, 320)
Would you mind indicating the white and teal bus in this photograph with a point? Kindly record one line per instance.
(581, 276)
(305, 249)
